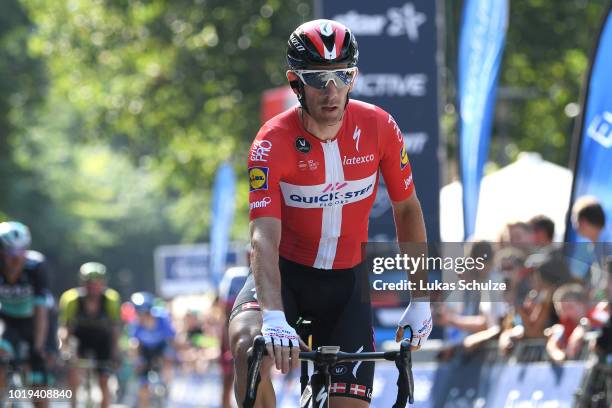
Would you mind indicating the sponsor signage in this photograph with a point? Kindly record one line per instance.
(185, 269)
(397, 71)
(327, 194)
(593, 148)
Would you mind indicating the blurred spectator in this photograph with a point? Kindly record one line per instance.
(565, 340)
(542, 230)
(533, 308)
(479, 316)
(517, 234)
(589, 220)
(604, 340)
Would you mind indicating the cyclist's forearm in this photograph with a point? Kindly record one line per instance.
(40, 327)
(412, 237)
(267, 276)
(265, 240)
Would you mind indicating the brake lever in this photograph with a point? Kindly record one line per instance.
(256, 354)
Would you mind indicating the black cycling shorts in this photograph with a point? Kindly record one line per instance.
(338, 303)
(96, 343)
(20, 332)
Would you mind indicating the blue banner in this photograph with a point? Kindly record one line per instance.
(481, 46)
(398, 71)
(593, 156)
(223, 203)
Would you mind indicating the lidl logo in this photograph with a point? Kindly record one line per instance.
(403, 157)
(258, 178)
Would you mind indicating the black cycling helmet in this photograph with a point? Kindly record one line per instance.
(319, 43)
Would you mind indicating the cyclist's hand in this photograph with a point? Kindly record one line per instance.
(417, 316)
(282, 342)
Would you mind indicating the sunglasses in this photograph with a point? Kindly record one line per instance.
(320, 78)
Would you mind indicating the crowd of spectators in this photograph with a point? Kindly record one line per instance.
(556, 294)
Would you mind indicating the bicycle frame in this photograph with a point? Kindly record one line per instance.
(325, 358)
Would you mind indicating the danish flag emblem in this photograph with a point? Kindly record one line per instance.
(357, 389)
(338, 388)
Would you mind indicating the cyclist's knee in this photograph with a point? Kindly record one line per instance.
(242, 331)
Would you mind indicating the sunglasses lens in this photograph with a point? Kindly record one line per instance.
(320, 79)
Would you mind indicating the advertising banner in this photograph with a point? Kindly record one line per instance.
(398, 47)
(593, 150)
(481, 46)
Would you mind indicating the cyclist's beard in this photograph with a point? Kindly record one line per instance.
(323, 116)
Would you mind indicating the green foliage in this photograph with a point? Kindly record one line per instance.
(543, 70)
(137, 104)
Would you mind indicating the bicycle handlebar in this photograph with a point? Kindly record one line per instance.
(331, 355)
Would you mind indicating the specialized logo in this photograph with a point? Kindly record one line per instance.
(403, 157)
(600, 129)
(347, 161)
(357, 364)
(258, 178)
(356, 135)
(302, 145)
(321, 397)
(263, 203)
(326, 28)
(260, 150)
(328, 194)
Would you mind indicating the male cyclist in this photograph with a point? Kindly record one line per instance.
(313, 174)
(154, 335)
(23, 289)
(90, 314)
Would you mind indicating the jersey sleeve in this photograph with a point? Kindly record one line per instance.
(113, 305)
(68, 306)
(265, 167)
(40, 285)
(394, 163)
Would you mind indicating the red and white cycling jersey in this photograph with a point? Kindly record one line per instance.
(323, 191)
